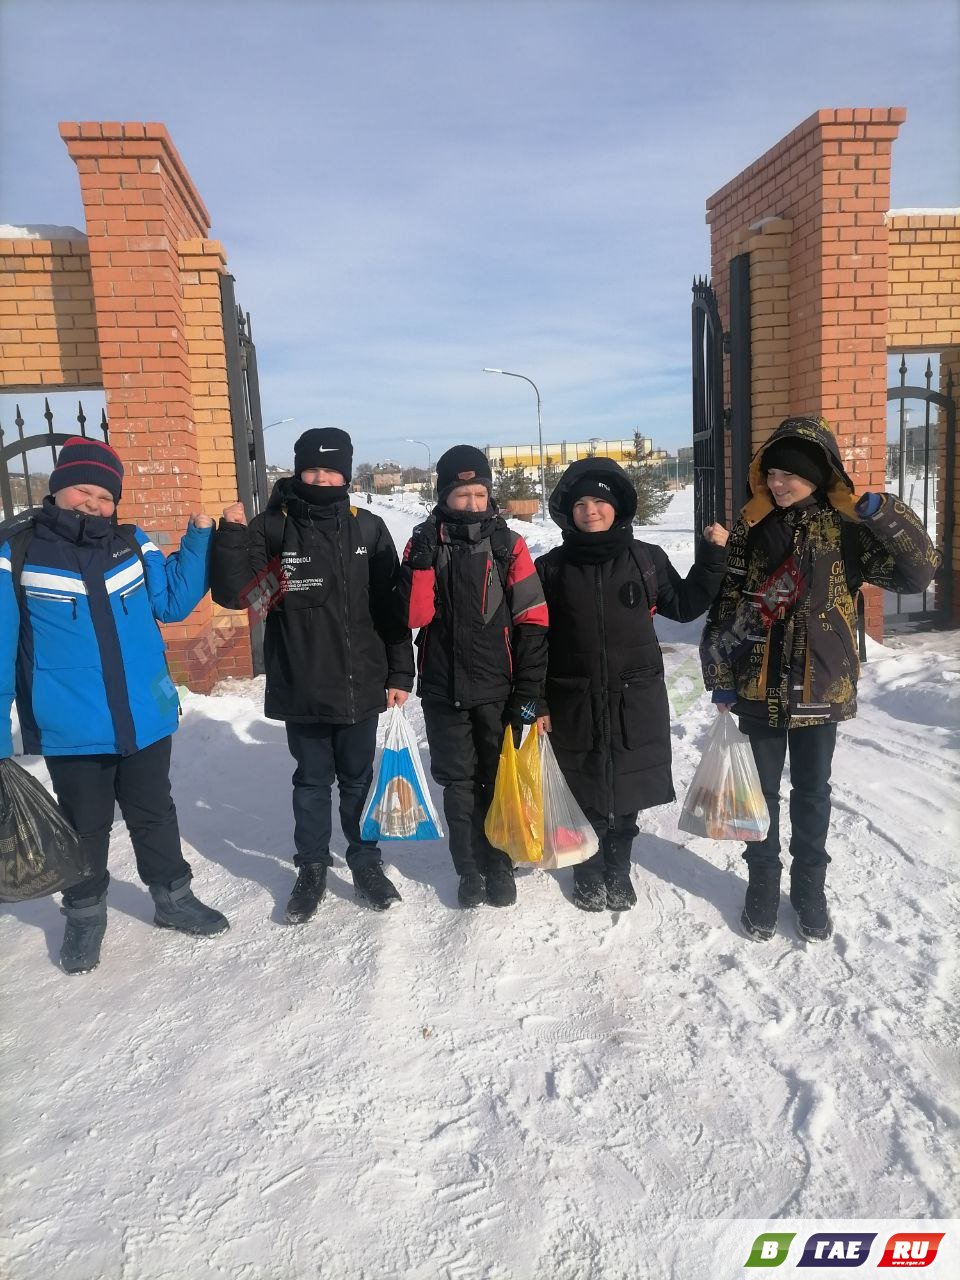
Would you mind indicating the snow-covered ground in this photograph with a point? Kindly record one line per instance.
(532, 1094)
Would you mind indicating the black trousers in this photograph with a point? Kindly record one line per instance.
(324, 753)
(464, 753)
(87, 788)
(811, 758)
(615, 844)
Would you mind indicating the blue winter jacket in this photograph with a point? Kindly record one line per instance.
(84, 657)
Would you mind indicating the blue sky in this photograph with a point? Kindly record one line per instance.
(408, 192)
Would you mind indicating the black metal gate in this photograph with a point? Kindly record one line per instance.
(24, 487)
(709, 482)
(922, 460)
(244, 391)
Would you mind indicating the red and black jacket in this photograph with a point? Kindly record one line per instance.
(483, 633)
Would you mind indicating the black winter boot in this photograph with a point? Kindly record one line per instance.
(307, 893)
(374, 888)
(808, 899)
(86, 925)
(178, 908)
(621, 895)
(759, 917)
(501, 884)
(472, 890)
(589, 889)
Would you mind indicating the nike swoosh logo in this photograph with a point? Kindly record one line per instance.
(326, 448)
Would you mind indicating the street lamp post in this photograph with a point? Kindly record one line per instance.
(423, 445)
(543, 484)
(278, 422)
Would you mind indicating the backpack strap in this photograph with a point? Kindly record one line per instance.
(19, 543)
(648, 570)
(274, 523)
(850, 555)
(502, 542)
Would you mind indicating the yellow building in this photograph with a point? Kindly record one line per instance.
(561, 455)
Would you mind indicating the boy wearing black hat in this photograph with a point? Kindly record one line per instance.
(779, 647)
(470, 586)
(80, 598)
(336, 649)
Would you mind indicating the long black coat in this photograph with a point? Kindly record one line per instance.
(605, 690)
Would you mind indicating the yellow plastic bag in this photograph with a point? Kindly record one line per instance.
(514, 821)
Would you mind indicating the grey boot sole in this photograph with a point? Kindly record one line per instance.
(819, 935)
(754, 932)
(194, 933)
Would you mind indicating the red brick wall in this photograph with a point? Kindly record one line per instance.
(830, 178)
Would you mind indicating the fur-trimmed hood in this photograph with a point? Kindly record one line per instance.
(610, 473)
(839, 492)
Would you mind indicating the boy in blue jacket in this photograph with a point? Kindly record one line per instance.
(80, 598)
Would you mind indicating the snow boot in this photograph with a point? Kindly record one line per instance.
(373, 887)
(307, 893)
(472, 890)
(501, 885)
(759, 917)
(621, 895)
(178, 908)
(589, 889)
(86, 925)
(808, 899)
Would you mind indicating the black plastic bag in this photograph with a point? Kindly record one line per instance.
(39, 850)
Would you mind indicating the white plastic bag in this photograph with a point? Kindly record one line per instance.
(725, 801)
(568, 838)
(400, 807)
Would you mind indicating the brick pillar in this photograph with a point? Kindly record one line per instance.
(202, 263)
(830, 178)
(140, 204)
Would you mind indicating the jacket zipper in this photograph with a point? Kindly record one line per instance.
(605, 693)
(129, 592)
(45, 595)
(347, 619)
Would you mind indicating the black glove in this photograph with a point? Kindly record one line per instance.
(423, 545)
(521, 710)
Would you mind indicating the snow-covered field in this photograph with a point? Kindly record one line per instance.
(531, 1094)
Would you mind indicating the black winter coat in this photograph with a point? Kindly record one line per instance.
(336, 639)
(605, 689)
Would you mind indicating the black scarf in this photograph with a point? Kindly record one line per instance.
(318, 495)
(776, 532)
(595, 548)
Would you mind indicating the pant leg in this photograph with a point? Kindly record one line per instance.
(84, 787)
(811, 761)
(617, 844)
(769, 748)
(311, 745)
(455, 766)
(354, 746)
(142, 788)
(488, 729)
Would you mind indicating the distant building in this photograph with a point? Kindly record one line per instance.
(562, 454)
(386, 481)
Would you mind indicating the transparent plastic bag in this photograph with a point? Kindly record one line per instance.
(568, 838)
(39, 850)
(514, 821)
(724, 801)
(400, 807)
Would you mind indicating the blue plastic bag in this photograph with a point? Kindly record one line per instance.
(400, 807)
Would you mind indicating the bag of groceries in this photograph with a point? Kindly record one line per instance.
(514, 821)
(568, 838)
(724, 801)
(400, 807)
(39, 850)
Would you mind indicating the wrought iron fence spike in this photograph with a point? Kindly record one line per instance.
(903, 369)
(81, 418)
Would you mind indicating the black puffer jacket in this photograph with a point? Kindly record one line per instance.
(336, 639)
(605, 689)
